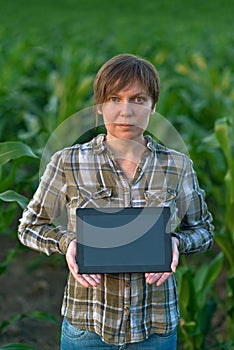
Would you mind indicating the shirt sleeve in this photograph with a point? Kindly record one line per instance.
(37, 229)
(195, 232)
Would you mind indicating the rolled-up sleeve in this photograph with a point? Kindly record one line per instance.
(37, 228)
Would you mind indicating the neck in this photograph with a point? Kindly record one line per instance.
(122, 148)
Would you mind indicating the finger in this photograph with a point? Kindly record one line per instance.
(96, 278)
(71, 257)
(83, 281)
(92, 280)
(153, 277)
(163, 278)
(175, 258)
(174, 265)
(73, 266)
(74, 269)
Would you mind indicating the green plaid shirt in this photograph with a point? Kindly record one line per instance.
(123, 308)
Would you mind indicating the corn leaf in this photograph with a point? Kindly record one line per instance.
(12, 196)
(14, 150)
(208, 273)
(16, 346)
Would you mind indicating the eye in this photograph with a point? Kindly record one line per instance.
(139, 99)
(114, 99)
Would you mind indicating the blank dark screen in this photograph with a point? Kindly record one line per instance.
(146, 248)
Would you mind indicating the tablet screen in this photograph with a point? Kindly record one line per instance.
(113, 240)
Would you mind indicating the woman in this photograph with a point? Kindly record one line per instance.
(120, 169)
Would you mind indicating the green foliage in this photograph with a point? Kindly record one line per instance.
(14, 160)
(224, 131)
(47, 68)
(35, 315)
(196, 304)
(14, 150)
(12, 196)
(16, 346)
(11, 255)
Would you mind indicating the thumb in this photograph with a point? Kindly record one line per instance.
(175, 254)
(71, 256)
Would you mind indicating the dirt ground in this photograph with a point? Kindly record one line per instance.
(32, 282)
(36, 282)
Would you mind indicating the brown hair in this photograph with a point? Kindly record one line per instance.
(120, 72)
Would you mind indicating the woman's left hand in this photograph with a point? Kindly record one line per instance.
(160, 277)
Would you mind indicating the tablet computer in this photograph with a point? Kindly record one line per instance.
(118, 240)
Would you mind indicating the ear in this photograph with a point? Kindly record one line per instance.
(153, 109)
(99, 109)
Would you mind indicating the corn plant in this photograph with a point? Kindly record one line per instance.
(35, 315)
(16, 346)
(46, 76)
(224, 131)
(197, 302)
(13, 159)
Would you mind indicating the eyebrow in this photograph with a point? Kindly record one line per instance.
(140, 93)
(134, 95)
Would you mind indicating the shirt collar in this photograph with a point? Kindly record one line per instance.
(99, 146)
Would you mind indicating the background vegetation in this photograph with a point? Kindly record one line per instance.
(50, 52)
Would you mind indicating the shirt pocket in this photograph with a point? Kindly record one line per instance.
(92, 197)
(160, 197)
(164, 198)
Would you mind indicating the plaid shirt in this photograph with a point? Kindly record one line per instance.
(123, 308)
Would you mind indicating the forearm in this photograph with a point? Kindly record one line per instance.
(195, 235)
(193, 241)
(37, 227)
(195, 232)
(45, 238)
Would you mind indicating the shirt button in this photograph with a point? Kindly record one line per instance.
(138, 170)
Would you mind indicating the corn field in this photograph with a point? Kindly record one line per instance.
(50, 52)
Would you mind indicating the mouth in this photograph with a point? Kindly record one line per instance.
(126, 125)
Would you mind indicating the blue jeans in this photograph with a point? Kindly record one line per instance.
(77, 339)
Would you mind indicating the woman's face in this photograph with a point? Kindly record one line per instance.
(126, 113)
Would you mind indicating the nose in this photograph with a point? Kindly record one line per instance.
(126, 109)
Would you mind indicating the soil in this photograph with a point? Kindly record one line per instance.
(34, 281)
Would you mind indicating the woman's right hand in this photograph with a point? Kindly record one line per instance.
(85, 280)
